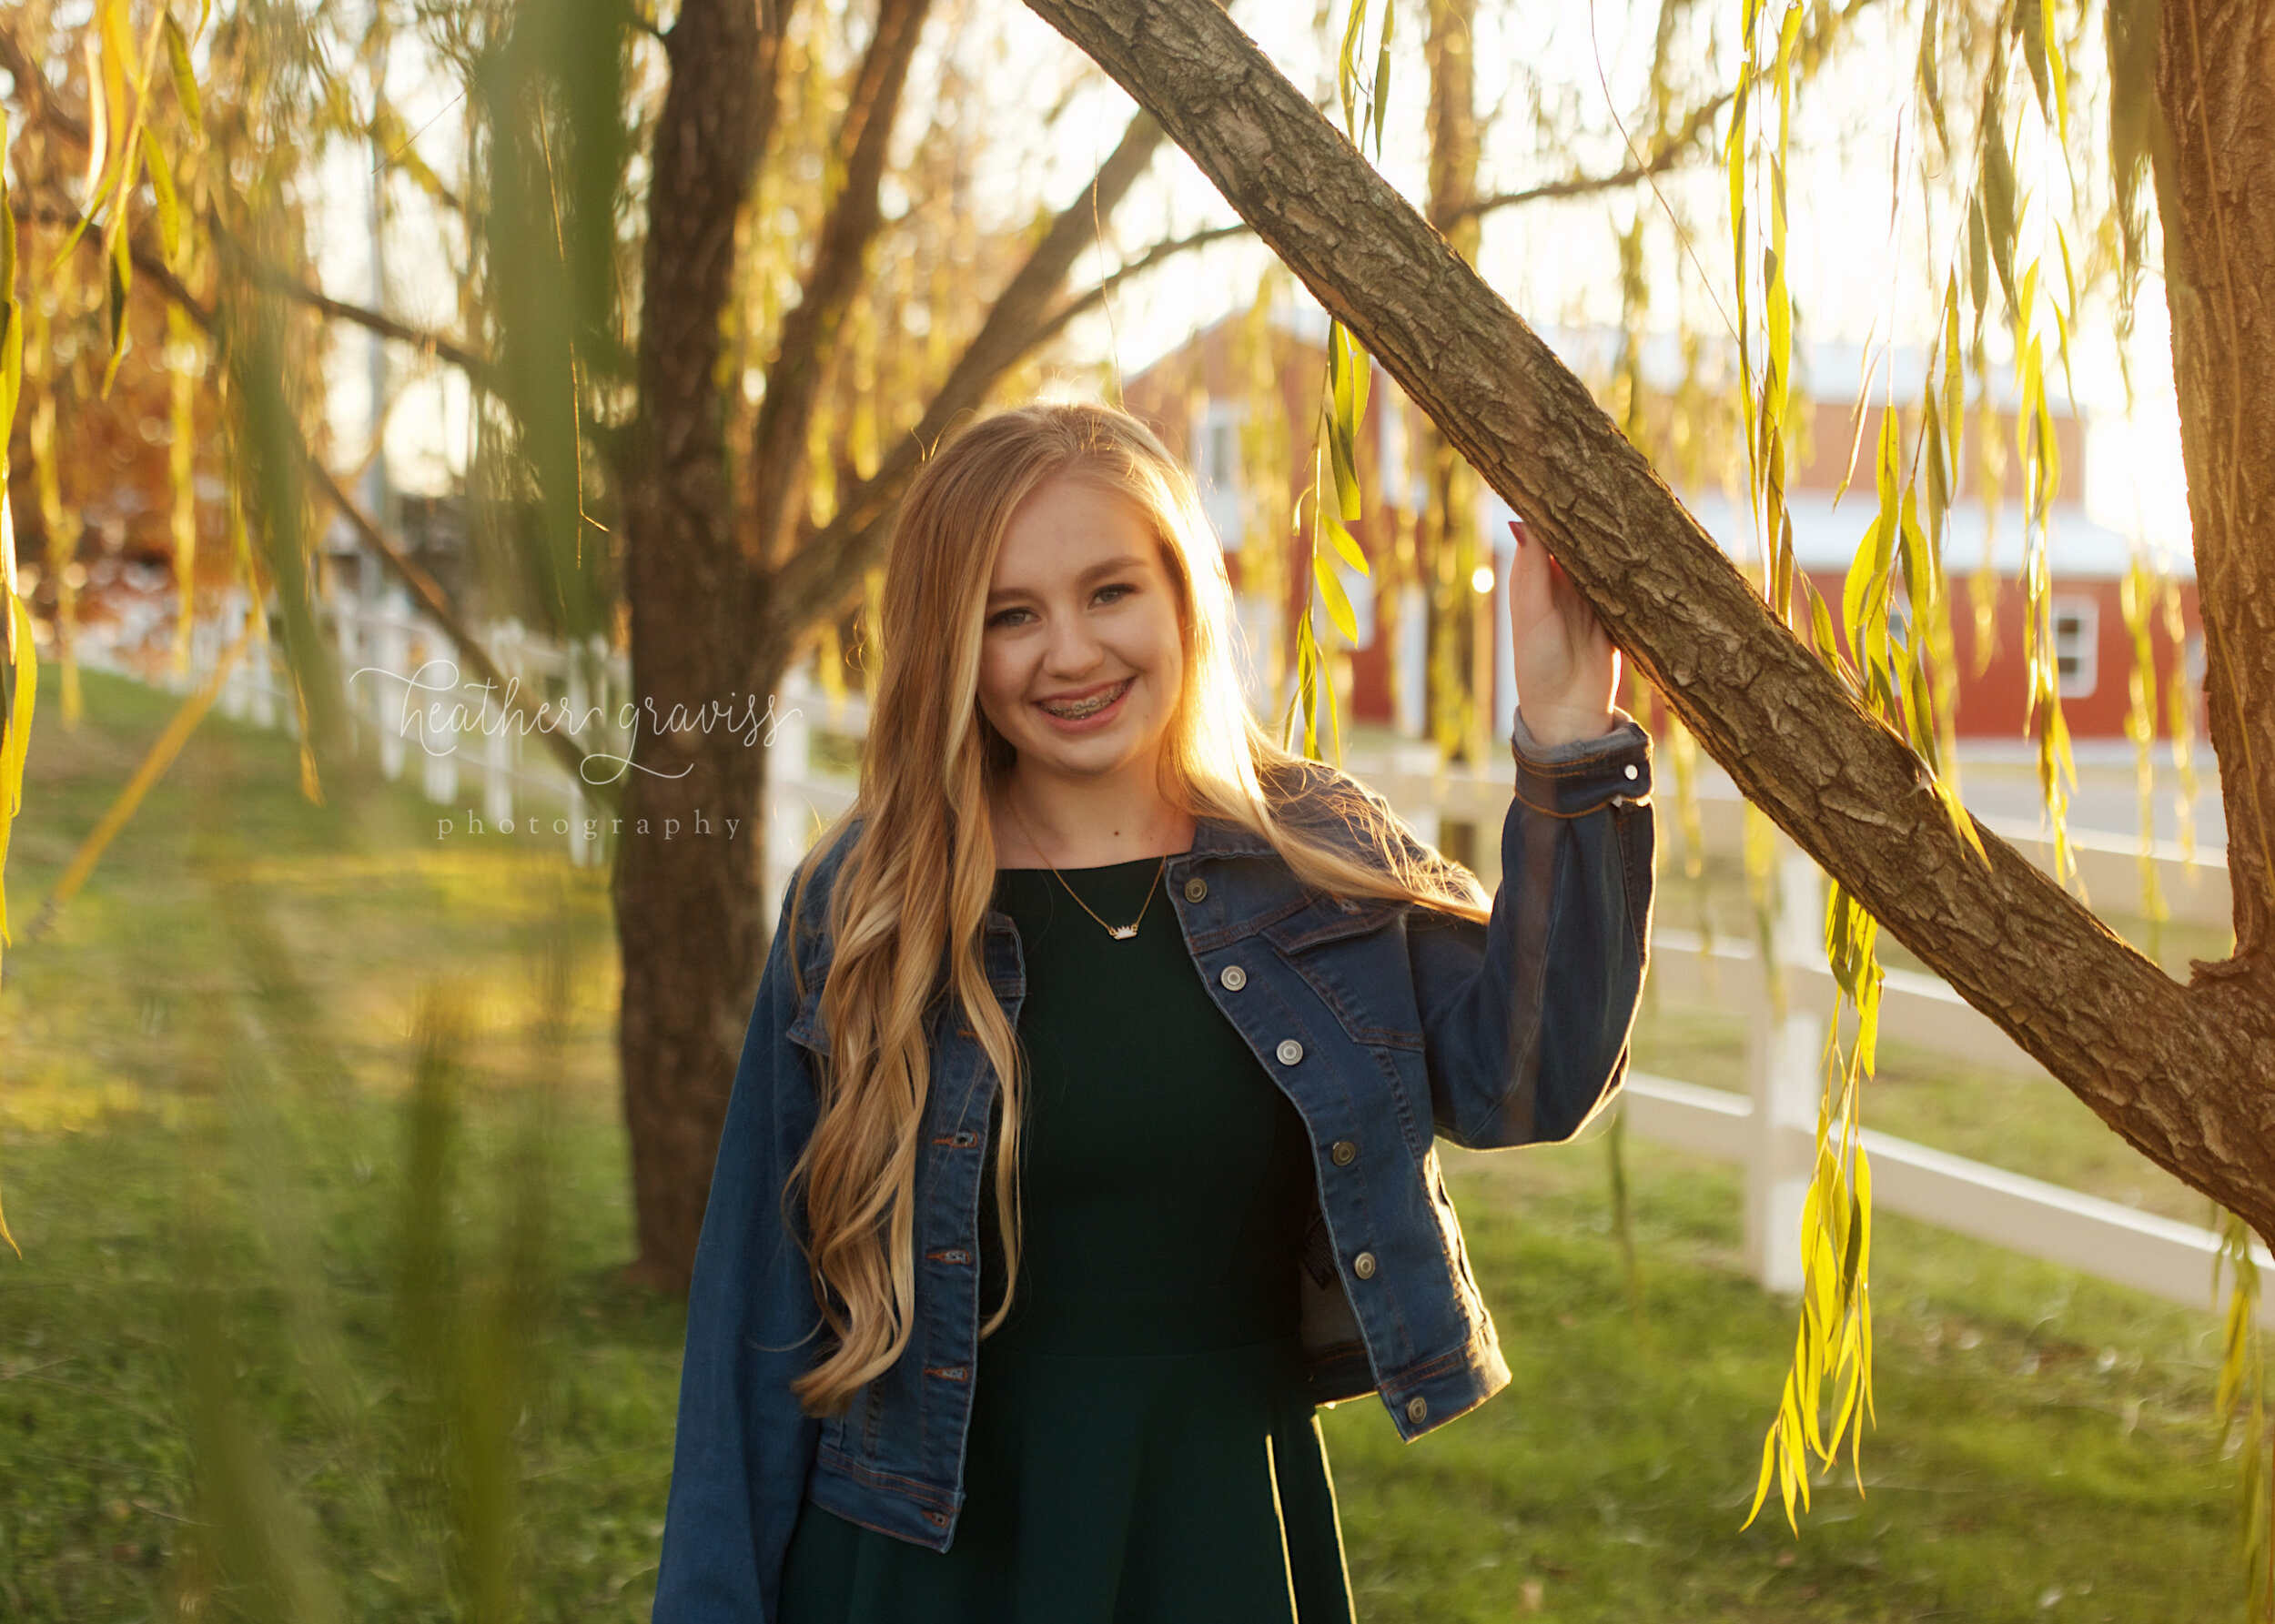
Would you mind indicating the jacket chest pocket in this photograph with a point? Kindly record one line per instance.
(1353, 956)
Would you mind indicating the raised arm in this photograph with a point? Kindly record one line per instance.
(1525, 1020)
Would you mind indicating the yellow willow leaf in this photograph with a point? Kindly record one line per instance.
(169, 207)
(1358, 367)
(1382, 74)
(2063, 315)
(1337, 603)
(1864, 1348)
(185, 78)
(1954, 381)
(116, 33)
(1924, 75)
(1344, 544)
(1821, 628)
(1845, 1411)
(1852, 1246)
(98, 124)
(1824, 1285)
(2057, 71)
(7, 225)
(24, 661)
(10, 366)
(1998, 207)
(1344, 457)
(1347, 66)
(1961, 819)
(1769, 1469)
(1796, 1466)
(122, 281)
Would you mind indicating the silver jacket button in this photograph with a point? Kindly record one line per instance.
(1290, 1051)
(1362, 1266)
(1195, 889)
(1233, 977)
(1417, 1410)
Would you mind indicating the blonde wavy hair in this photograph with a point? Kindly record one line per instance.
(908, 907)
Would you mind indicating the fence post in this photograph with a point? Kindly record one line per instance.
(1784, 1057)
(789, 764)
(441, 768)
(392, 646)
(497, 747)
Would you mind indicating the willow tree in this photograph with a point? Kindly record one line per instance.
(1835, 738)
(719, 283)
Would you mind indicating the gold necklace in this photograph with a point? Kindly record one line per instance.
(1120, 932)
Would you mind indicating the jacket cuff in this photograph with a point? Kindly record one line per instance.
(1573, 779)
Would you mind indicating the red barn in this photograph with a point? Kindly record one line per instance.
(1199, 398)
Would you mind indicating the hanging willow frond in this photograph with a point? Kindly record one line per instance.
(1342, 412)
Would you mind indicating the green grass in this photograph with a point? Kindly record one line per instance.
(204, 1115)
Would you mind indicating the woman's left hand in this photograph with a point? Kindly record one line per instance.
(1568, 670)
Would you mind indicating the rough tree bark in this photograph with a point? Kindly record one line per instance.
(2216, 88)
(688, 914)
(2178, 1071)
(719, 599)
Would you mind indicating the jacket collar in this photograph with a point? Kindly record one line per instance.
(1222, 837)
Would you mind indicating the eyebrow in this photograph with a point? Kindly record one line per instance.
(1110, 567)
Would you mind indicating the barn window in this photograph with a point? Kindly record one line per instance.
(2077, 644)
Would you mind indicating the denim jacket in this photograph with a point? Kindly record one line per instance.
(1385, 1023)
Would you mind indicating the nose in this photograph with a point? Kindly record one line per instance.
(1072, 649)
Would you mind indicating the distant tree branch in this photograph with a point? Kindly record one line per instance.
(421, 586)
(841, 259)
(1669, 153)
(437, 605)
(271, 279)
(831, 558)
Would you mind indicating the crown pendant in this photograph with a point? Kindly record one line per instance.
(1122, 932)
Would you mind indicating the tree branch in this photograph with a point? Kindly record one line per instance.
(2179, 1072)
(831, 561)
(270, 279)
(417, 581)
(841, 259)
(430, 595)
(1669, 152)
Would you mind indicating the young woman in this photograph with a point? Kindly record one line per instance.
(1082, 1140)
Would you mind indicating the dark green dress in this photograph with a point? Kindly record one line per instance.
(1141, 1448)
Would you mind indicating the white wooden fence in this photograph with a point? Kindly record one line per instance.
(1770, 1128)
(405, 691)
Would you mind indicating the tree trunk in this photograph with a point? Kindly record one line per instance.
(2181, 1073)
(689, 903)
(2216, 88)
(717, 610)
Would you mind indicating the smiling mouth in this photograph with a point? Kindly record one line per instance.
(1091, 705)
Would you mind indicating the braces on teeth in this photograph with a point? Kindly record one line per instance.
(1089, 707)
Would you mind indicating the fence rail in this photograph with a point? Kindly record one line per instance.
(396, 663)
